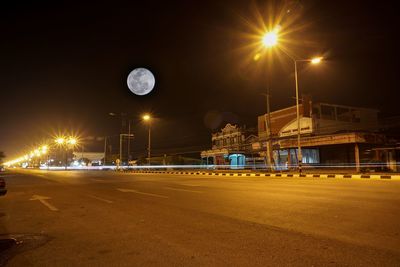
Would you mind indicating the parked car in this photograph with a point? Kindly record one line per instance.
(3, 189)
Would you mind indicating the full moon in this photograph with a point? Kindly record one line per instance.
(141, 81)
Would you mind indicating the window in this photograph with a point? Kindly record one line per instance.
(316, 112)
(356, 115)
(343, 114)
(327, 112)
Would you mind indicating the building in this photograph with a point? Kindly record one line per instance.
(331, 136)
(88, 158)
(231, 147)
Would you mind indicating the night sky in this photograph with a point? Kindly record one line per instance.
(64, 66)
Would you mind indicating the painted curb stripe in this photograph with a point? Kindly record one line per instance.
(345, 176)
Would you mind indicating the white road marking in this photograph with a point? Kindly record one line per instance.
(43, 200)
(97, 180)
(101, 199)
(181, 189)
(8, 175)
(142, 193)
(191, 184)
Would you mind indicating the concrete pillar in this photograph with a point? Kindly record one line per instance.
(357, 157)
(391, 160)
(377, 156)
(289, 160)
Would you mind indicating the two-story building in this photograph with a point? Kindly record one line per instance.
(331, 135)
(231, 147)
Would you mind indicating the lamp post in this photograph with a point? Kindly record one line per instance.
(267, 123)
(66, 143)
(147, 118)
(271, 39)
(124, 116)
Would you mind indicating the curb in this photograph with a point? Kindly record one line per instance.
(283, 175)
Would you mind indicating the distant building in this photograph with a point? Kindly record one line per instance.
(88, 158)
(231, 147)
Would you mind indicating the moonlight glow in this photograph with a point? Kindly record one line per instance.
(141, 81)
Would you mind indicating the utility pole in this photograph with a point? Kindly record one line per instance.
(149, 148)
(147, 117)
(129, 142)
(66, 156)
(120, 147)
(299, 154)
(268, 132)
(105, 150)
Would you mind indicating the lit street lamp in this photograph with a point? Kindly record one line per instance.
(60, 140)
(147, 118)
(271, 39)
(66, 143)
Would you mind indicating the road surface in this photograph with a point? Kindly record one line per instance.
(105, 218)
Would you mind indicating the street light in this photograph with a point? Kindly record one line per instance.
(123, 116)
(66, 142)
(60, 140)
(272, 39)
(147, 118)
(72, 141)
(316, 60)
(44, 149)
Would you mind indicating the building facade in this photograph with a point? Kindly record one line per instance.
(88, 158)
(231, 148)
(331, 136)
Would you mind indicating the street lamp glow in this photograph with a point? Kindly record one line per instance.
(270, 38)
(44, 149)
(60, 140)
(316, 60)
(72, 141)
(146, 117)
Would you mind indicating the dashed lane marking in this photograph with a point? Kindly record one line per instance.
(184, 190)
(101, 199)
(141, 193)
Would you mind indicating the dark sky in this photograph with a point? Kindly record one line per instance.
(64, 65)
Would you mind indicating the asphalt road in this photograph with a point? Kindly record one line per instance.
(104, 218)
